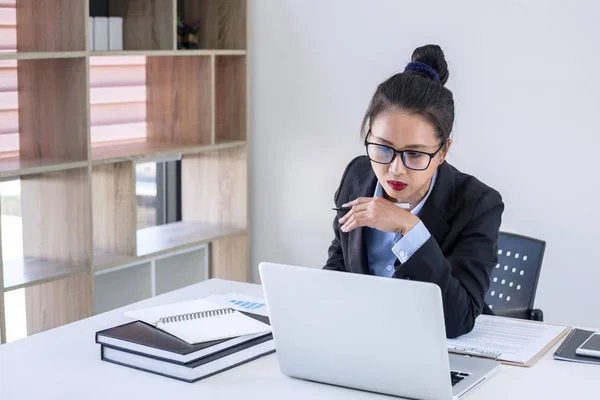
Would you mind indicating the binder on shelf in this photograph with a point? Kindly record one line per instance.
(91, 33)
(115, 33)
(100, 33)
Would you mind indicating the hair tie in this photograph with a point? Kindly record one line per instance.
(422, 67)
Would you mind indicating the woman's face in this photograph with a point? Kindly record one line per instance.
(403, 131)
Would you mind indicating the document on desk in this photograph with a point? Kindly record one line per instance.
(241, 302)
(512, 341)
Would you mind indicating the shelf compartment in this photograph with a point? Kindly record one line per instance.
(230, 99)
(221, 200)
(147, 24)
(222, 22)
(47, 107)
(56, 212)
(179, 100)
(163, 239)
(115, 289)
(114, 205)
(57, 303)
(224, 203)
(180, 270)
(51, 25)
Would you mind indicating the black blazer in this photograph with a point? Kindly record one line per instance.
(463, 216)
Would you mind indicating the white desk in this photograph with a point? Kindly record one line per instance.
(64, 363)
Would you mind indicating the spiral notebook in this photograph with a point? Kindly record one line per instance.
(198, 321)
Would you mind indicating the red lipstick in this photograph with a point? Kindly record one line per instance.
(397, 185)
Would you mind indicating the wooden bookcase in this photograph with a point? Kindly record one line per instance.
(81, 243)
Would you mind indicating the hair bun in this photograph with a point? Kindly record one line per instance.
(433, 56)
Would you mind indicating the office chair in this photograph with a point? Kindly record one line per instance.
(514, 279)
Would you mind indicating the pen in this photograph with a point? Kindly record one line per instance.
(405, 206)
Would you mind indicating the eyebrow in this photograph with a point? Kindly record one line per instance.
(410, 146)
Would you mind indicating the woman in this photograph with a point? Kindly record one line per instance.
(448, 234)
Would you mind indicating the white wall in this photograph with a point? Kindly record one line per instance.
(526, 79)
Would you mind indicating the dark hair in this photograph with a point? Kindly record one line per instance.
(417, 91)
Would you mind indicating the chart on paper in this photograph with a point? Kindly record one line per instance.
(247, 304)
(240, 302)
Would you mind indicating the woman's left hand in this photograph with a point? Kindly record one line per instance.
(378, 213)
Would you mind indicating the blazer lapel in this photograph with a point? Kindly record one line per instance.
(435, 223)
(439, 204)
(359, 261)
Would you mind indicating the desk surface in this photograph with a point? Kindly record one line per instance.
(64, 363)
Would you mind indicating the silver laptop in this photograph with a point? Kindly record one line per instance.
(364, 332)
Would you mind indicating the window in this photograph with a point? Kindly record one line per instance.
(12, 249)
(12, 223)
(158, 193)
(146, 193)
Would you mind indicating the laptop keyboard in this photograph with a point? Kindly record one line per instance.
(457, 377)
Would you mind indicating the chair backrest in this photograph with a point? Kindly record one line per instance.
(514, 279)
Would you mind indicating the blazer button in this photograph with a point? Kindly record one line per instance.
(408, 277)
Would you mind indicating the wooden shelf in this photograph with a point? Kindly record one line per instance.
(15, 167)
(104, 260)
(161, 239)
(167, 53)
(30, 271)
(42, 56)
(79, 204)
(145, 151)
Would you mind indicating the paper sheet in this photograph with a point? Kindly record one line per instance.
(506, 339)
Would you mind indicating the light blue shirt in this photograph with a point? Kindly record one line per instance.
(383, 248)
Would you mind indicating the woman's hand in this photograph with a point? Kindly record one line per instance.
(378, 213)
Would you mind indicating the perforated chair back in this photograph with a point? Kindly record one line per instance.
(514, 279)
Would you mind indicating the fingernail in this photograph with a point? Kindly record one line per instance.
(343, 229)
(345, 205)
(340, 220)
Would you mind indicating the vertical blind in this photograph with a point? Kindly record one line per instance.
(9, 99)
(117, 98)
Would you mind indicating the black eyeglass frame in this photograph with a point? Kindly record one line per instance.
(401, 152)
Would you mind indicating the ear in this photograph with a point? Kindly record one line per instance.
(445, 151)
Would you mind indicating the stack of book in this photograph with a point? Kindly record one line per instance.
(188, 341)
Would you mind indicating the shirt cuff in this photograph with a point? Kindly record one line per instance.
(411, 242)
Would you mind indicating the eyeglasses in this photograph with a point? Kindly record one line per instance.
(412, 159)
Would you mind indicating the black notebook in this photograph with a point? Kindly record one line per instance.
(566, 351)
(144, 339)
(196, 370)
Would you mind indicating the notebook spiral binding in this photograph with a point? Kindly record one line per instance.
(194, 315)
